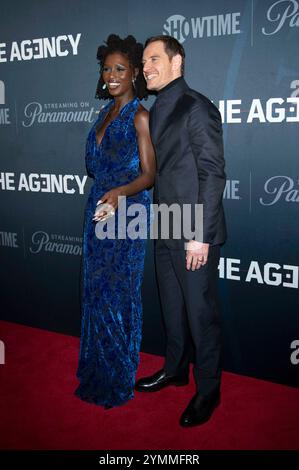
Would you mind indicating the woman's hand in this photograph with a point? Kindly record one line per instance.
(111, 198)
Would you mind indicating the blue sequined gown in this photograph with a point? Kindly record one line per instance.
(112, 271)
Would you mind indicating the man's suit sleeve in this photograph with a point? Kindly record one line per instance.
(205, 130)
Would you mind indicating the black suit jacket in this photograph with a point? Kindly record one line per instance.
(186, 131)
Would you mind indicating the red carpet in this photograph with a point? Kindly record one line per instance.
(39, 411)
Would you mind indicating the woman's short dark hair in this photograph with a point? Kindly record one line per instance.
(172, 47)
(130, 48)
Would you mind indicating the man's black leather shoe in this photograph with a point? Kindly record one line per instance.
(160, 380)
(200, 409)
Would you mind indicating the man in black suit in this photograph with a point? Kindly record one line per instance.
(186, 132)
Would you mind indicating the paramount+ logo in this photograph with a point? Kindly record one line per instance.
(202, 26)
(2, 92)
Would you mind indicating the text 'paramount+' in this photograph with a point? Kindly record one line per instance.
(36, 113)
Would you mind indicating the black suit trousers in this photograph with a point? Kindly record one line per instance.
(189, 305)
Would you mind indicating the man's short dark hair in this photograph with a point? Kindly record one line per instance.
(172, 47)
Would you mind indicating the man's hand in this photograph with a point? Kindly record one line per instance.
(196, 254)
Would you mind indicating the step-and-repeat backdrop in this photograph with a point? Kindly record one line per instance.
(242, 54)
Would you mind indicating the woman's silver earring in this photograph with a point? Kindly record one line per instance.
(133, 83)
(104, 86)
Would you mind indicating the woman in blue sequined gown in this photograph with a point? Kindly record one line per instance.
(120, 158)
